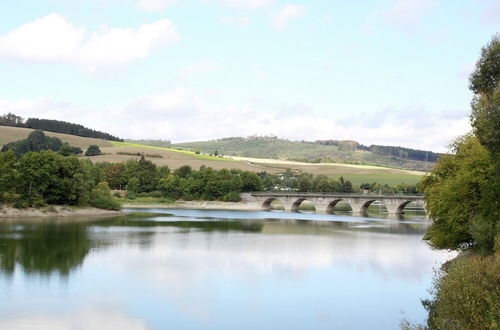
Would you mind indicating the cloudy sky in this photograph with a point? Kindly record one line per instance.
(380, 72)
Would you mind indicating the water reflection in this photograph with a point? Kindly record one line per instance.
(194, 269)
(43, 248)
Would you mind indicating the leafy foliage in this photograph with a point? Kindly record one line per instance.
(485, 78)
(93, 150)
(11, 119)
(467, 296)
(36, 141)
(463, 199)
(456, 191)
(58, 126)
(100, 197)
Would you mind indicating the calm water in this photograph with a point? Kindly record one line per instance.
(191, 269)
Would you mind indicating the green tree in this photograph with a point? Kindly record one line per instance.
(463, 200)
(8, 175)
(183, 171)
(100, 197)
(484, 80)
(67, 150)
(36, 141)
(148, 176)
(454, 192)
(93, 150)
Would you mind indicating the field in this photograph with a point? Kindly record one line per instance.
(273, 148)
(10, 134)
(175, 158)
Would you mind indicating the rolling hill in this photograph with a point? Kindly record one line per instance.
(173, 158)
(310, 152)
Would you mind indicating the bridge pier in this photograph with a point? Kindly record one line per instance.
(324, 203)
(322, 208)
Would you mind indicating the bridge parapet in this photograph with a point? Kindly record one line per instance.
(325, 202)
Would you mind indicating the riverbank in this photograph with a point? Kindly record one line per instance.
(202, 205)
(55, 211)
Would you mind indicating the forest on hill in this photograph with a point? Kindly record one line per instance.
(56, 126)
(325, 151)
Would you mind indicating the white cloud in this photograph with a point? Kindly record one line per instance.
(286, 14)
(53, 39)
(154, 5)
(50, 38)
(407, 14)
(181, 115)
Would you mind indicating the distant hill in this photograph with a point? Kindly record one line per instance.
(119, 152)
(152, 143)
(326, 151)
(56, 126)
(10, 134)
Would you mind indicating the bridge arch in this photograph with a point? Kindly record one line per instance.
(266, 205)
(401, 206)
(295, 206)
(332, 204)
(366, 205)
(396, 208)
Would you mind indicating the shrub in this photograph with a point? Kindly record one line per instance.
(101, 198)
(232, 197)
(93, 150)
(21, 204)
(467, 296)
(131, 195)
(9, 197)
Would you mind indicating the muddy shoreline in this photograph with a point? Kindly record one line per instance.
(55, 211)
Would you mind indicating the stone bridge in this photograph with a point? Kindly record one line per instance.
(325, 202)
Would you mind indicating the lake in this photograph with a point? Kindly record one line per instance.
(200, 269)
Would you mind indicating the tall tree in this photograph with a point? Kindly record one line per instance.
(463, 190)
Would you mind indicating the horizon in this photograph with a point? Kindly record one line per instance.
(194, 70)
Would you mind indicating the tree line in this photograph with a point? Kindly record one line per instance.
(56, 126)
(402, 153)
(38, 178)
(50, 178)
(38, 141)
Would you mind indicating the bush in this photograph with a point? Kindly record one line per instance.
(21, 204)
(232, 197)
(467, 296)
(130, 195)
(10, 198)
(93, 150)
(101, 198)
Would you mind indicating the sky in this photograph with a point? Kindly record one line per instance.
(391, 72)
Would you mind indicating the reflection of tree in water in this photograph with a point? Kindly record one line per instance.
(43, 248)
(46, 248)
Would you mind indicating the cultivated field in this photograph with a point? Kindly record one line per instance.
(10, 134)
(176, 158)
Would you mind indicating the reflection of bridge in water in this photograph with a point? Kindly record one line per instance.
(325, 202)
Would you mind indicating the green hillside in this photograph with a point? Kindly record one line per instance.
(270, 147)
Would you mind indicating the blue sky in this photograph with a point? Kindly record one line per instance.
(380, 72)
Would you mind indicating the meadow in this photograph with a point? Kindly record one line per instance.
(174, 158)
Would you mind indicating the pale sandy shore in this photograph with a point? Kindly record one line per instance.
(55, 211)
(201, 205)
